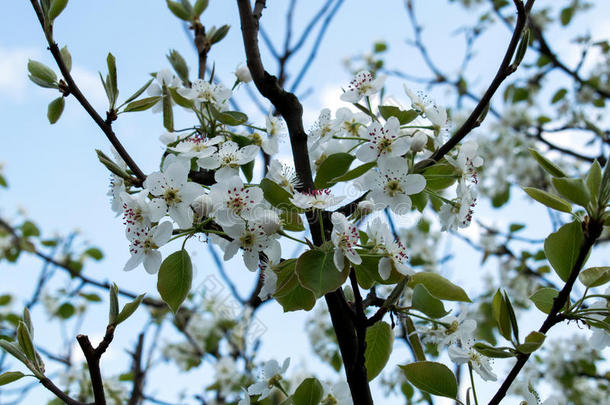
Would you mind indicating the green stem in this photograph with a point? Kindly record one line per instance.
(414, 340)
(321, 226)
(446, 325)
(474, 391)
(291, 237)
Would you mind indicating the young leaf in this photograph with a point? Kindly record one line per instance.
(309, 392)
(355, 172)
(42, 72)
(543, 299)
(423, 301)
(490, 351)
(317, 272)
(440, 176)
(175, 278)
(548, 199)
(112, 78)
(178, 10)
(94, 253)
(25, 342)
(129, 309)
(276, 195)
(10, 376)
(594, 179)
(547, 165)
(199, 7)
(179, 65)
(56, 107)
(113, 313)
(501, 315)
(404, 117)
(66, 57)
(55, 8)
(532, 342)
(379, 343)
(433, 378)
(138, 92)
(574, 190)
(219, 34)
(143, 104)
(562, 247)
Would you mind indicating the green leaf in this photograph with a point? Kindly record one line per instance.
(501, 314)
(532, 342)
(181, 101)
(594, 179)
(66, 57)
(56, 107)
(423, 301)
(65, 310)
(548, 199)
(199, 7)
(594, 276)
(574, 190)
(142, 105)
(42, 72)
(333, 166)
(309, 392)
(562, 247)
(355, 172)
(543, 299)
(91, 297)
(566, 15)
(501, 198)
(178, 10)
(490, 351)
(515, 227)
(523, 44)
(15, 351)
(129, 309)
(291, 221)
(218, 34)
(546, 164)
(10, 376)
(3, 182)
(175, 278)
(55, 8)
(433, 378)
(404, 117)
(439, 287)
(94, 253)
(276, 195)
(439, 176)
(25, 342)
(231, 118)
(27, 319)
(289, 293)
(29, 229)
(379, 344)
(559, 94)
(316, 272)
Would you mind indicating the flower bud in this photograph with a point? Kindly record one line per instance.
(243, 74)
(366, 207)
(270, 222)
(202, 206)
(418, 141)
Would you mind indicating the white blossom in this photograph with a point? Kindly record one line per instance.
(345, 238)
(320, 199)
(234, 202)
(363, 84)
(480, 363)
(458, 213)
(228, 159)
(204, 92)
(144, 245)
(383, 142)
(272, 375)
(253, 240)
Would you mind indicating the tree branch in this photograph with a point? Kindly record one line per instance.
(93, 356)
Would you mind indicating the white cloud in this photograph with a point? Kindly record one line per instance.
(13, 71)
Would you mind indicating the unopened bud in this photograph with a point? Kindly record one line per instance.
(202, 206)
(418, 141)
(270, 222)
(366, 207)
(243, 74)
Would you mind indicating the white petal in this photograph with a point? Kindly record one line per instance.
(182, 214)
(155, 183)
(152, 261)
(134, 261)
(338, 259)
(415, 183)
(162, 233)
(385, 268)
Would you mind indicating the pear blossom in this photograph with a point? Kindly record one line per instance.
(467, 161)
(117, 187)
(424, 106)
(600, 339)
(460, 331)
(144, 244)
(418, 141)
(253, 240)
(136, 210)
(202, 206)
(269, 283)
(345, 238)
(458, 213)
(164, 77)
(363, 84)
(196, 146)
(419, 101)
(320, 199)
(234, 202)
(203, 91)
(348, 123)
(479, 363)
(337, 394)
(272, 375)
(392, 184)
(393, 251)
(228, 159)
(172, 192)
(274, 125)
(283, 175)
(323, 130)
(268, 144)
(383, 141)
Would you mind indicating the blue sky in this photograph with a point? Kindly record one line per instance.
(53, 172)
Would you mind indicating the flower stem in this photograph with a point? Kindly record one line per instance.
(474, 391)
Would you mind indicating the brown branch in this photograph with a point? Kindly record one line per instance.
(506, 69)
(93, 356)
(105, 125)
(138, 374)
(592, 230)
(48, 384)
(203, 47)
(288, 105)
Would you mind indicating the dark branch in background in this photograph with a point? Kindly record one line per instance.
(105, 125)
(93, 356)
(138, 374)
(591, 231)
(506, 69)
(48, 384)
(288, 105)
